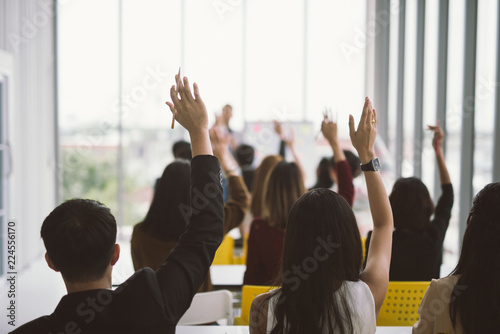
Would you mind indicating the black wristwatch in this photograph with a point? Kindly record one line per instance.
(371, 166)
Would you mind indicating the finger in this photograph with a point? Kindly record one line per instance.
(197, 95)
(374, 118)
(178, 83)
(364, 113)
(352, 130)
(171, 106)
(369, 113)
(185, 91)
(173, 96)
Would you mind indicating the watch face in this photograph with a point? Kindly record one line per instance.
(376, 164)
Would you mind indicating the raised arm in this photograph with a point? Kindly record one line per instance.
(445, 203)
(344, 179)
(238, 204)
(376, 273)
(437, 143)
(187, 265)
(289, 141)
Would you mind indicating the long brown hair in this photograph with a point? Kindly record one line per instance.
(260, 181)
(315, 303)
(285, 186)
(475, 300)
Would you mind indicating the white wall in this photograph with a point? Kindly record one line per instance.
(27, 37)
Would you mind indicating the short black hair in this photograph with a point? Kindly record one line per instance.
(79, 236)
(245, 155)
(353, 161)
(182, 149)
(411, 203)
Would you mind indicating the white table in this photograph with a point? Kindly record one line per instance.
(244, 330)
(227, 276)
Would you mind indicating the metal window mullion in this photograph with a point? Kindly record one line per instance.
(400, 91)
(119, 160)
(496, 151)
(442, 76)
(468, 113)
(304, 65)
(382, 47)
(419, 91)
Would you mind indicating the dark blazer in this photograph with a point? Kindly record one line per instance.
(151, 302)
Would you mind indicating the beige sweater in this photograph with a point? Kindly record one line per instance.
(434, 310)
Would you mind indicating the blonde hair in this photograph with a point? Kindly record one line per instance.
(259, 186)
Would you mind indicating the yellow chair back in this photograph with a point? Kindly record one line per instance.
(401, 303)
(363, 248)
(225, 252)
(248, 294)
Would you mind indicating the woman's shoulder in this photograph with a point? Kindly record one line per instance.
(260, 224)
(361, 291)
(447, 282)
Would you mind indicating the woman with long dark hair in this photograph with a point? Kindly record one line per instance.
(265, 241)
(468, 301)
(154, 238)
(417, 244)
(323, 289)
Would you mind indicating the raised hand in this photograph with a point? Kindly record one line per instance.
(437, 140)
(289, 139)
(219, 141)
(220, 145)
(189, 111)
(329, 129)
(278, 128)
(363, 139)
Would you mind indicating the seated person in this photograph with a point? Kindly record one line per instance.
(418, 241)
(323, 289)
(468, 301)
(265, 241)
(260, 182)
(182, 150)
(80, 237)
(155, 237)
(245, 155)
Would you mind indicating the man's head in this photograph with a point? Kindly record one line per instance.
(182, 150)
(245, 155)
(80, 237)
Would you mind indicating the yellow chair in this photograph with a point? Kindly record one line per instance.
(225, 252)
(242, 258)
(248, 294)
(401, 303)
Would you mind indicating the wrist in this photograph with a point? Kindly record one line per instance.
(366, 157)
(333, 142)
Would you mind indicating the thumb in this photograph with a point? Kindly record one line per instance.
(352, 130)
